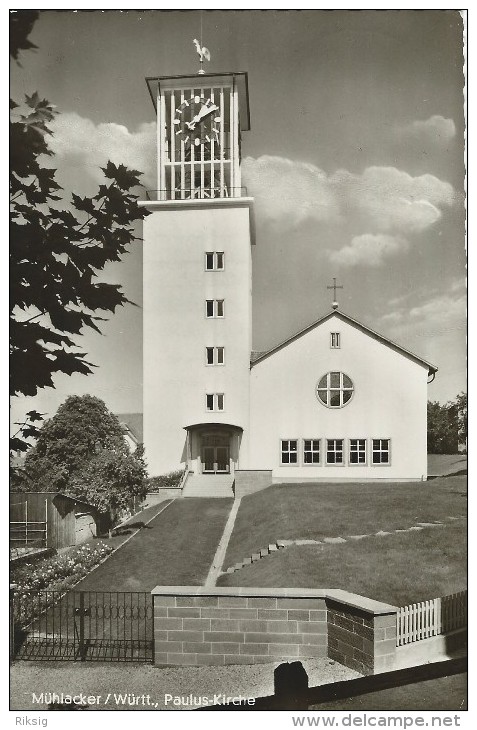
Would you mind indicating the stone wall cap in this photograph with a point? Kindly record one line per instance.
(335, 594)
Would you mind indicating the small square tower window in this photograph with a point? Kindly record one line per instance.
(214, 402)
(214, 260)
(335, 340)
(215, 355)
(214, 308)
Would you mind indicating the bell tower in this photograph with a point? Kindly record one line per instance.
(197, 306)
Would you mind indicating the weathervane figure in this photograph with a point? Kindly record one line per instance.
(203, 53)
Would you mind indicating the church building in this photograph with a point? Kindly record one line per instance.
(334, 402)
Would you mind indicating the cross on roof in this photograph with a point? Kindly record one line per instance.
(334, 287)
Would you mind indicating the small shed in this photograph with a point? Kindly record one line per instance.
(52, 519)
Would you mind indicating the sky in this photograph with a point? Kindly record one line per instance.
(355, 158)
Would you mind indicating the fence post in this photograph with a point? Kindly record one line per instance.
(81, 651)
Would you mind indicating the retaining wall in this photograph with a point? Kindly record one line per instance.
(248, 481)
(218, 625)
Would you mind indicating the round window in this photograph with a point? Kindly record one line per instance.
(334, 390)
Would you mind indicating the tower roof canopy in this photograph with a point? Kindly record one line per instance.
(157, 84)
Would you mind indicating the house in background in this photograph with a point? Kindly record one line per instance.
(131, 423)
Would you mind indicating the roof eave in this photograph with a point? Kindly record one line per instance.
(432, 369)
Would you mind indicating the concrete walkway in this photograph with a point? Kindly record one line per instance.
(219, 557)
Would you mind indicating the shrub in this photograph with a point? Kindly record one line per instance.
(165, 481)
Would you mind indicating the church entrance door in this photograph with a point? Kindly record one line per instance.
(215, 454)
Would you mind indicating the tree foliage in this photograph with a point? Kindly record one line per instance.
(82, 451)
(58, 250)
(461, 403)
(445, 429)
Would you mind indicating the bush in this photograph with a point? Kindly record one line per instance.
(165, 481)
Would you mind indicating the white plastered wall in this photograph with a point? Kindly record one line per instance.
(389, 401)
(176, 330)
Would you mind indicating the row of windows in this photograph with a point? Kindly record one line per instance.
(356, 451)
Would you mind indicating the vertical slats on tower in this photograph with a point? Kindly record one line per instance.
(202, 147)
(192, 148)
(173, 145)
(212, 151)
(182, 157)
(221, 150)
(232, 132)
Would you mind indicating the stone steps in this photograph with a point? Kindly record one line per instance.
(209, 485)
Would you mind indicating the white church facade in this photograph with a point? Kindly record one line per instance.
(335, 401)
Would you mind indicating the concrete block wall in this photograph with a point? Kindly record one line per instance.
(248, 481)
(216, 626)
(360, 639)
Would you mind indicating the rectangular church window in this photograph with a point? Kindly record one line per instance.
(209, 401)
(220, 401)
(209, 261)
(289, 451)
(219, 263)
(334, 451)
(311, 451)
(209, 355)
(335, 340)
(219, 307)
(357, 451)
(209, 308)
(220, 352)
(381, 451)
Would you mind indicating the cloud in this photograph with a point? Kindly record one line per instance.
(441, 314)
(369, 249)
(436, 128)
(385, 199)
(392, 200)
(288, 193)
(80, 143)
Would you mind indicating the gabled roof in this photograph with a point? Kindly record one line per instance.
(258, 357)
(132, 422)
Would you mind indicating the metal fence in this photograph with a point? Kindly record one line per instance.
(431, 618)
(81, 626)
(197, 192)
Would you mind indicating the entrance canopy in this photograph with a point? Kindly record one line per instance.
(213, 448)
(193, 426)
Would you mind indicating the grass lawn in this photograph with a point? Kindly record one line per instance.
(399, 568)
(440, 464)
(175, 548)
